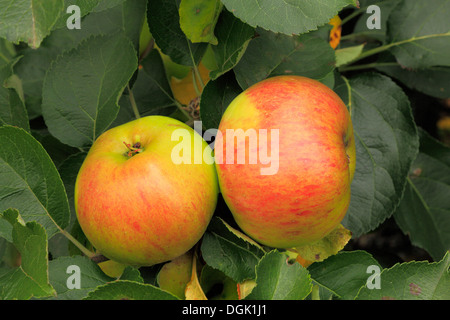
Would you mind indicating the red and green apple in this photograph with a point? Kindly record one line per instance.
(135, 204)
(298, 190)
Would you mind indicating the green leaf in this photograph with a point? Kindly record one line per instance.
(82, 87)
(216, 97)
(31, 69)
(424, 212)
(9, 256)
(63, 269)
(30, 181)
(223, 250)
(344, 273)
(28, 20)
(346, 55)
(129, 18)
(233, 37)
(68, 169)
(151, 91)
(57, 150)
(131, 274)
(271, 54)
(288, 17)
(129, 290)
(416, 280)
(361, 30)
(30, 279)
(7, 51)
(163, 20)
(86, 6)
(108, 4)
(198, 19)
(277, 279)
(124, 18)
(386, 144)
(110, 17)
(433, 81)
(419, 32)
(211, 279)
(12, 105)
(6, 228)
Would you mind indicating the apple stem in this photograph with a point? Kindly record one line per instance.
(133, 150)
(98, 258)
(199, 77)
(77, 244)
(194, 82)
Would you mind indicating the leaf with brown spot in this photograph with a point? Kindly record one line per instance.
(198, 19)
(334, 242)
(416, 280)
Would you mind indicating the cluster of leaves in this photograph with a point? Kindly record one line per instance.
(61, 88)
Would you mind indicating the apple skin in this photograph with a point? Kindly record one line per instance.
(144, 209)
(310, 193)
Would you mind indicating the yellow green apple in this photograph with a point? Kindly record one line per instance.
(136, 202)
(176, 274)
(301, 135)
(112, 268)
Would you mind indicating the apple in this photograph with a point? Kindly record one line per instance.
(112, 268)
(134, 203)
(307, 193)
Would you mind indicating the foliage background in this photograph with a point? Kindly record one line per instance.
(61, 88)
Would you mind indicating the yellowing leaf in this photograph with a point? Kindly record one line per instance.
(444, 124)
(194, 290)
(241, 235)
(335, 33)
(346, 55)
(198, 19)
(294, 256)
(305, 263)
(245, 288)
(325, 247)
(184, 90)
